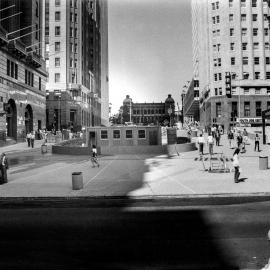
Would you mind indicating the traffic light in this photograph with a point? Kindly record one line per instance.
(228, 85)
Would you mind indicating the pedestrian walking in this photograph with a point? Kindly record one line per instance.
(201, 143)
(28, 138)
(257, 142)
(94, 158)
(245, 138)
(236, 165)
(230, 138)
(3, 168)
(217, 138)
(210, 142)
(239, 140)
(32, 138)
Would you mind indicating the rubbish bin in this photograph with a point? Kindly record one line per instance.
(77, 180)
(263, 163)
(44, 149)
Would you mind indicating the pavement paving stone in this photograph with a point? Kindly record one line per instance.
(135, 175)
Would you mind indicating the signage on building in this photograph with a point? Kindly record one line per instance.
(247, 121)
(228, 85)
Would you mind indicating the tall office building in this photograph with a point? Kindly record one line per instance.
(22, 72)
(76, 60)
(231, 37)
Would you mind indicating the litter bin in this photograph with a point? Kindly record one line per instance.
(263, 163)
(44, 149)
(77, 180)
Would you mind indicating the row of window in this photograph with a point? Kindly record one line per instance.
(257, 76)
(73, 31)
(12, 71)
(149, 111)
(256, 60)
(215, 5)
(258, 108)
(244, 17)
(256, 46)
(219, 92)
(255, 31)
(244, 4)
(117, 134)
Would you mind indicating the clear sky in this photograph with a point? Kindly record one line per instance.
(150, 49)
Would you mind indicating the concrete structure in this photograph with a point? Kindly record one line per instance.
(122, 139)
(162, 113)
(231, 36)
(22, 69)
(77, 61)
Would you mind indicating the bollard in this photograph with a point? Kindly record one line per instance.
(263, 163)
(77, 180)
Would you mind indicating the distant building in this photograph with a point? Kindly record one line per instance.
(22, 69)
(191, 98)
(162, 113)
(77, 62)
(231, 37)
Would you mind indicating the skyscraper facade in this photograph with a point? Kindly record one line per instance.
(75, 62)
(22, 73)
(231, 37)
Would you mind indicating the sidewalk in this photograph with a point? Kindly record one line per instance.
(135, 176)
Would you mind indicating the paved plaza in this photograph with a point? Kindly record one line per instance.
(50, 175)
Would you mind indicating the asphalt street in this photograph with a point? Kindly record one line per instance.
(134, 236)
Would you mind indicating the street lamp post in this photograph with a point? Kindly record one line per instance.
(170, 113)
(183, 97)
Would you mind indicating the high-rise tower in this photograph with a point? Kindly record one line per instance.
(231, 36)
(75, 62)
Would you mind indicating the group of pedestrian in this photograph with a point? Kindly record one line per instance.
(30, 137)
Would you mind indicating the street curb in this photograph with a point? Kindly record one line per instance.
(138, 201)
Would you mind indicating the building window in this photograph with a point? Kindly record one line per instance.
(116, 134)
(245, 60)
(57, 62)
(57, 77)
(230, 3)
(267, 75)
(214, 20)
(29, 78)
(256, 60)
(231, 17)
(213, 6)
(254, 3)
(75, 32)
(104, 134)
(220, 76)
(75, 3)
(218, 109)
(266, 46)
(71, 32)
(216, 91)
(243, 17)
(232, 46)
(243, 3)
(255, 31)
(12, 69)
(57, 46)
(220, 91)
(244, 46)
(246, 109)
(244, 31)
(39, 83)
(57, 30)
(258, 108)
(254, 17)
(231, 32)
(257, 75)
(57, 3)
(76, 17)
(267, 60)
(57, 16)
(234, 108)
(217, 5)
(215, 77)
(256, 45)
(266, 32)
(232, 61)
(265, 17)
(71, 62)
(218, 20)
(36, 9)
(141, 134)
(129, 134)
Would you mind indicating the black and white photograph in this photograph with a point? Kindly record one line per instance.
(135, 134)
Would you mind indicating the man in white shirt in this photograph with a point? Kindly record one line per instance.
(201, 143)
(210, 142)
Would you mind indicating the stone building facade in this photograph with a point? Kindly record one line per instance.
(162, 113)
(22, 70)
